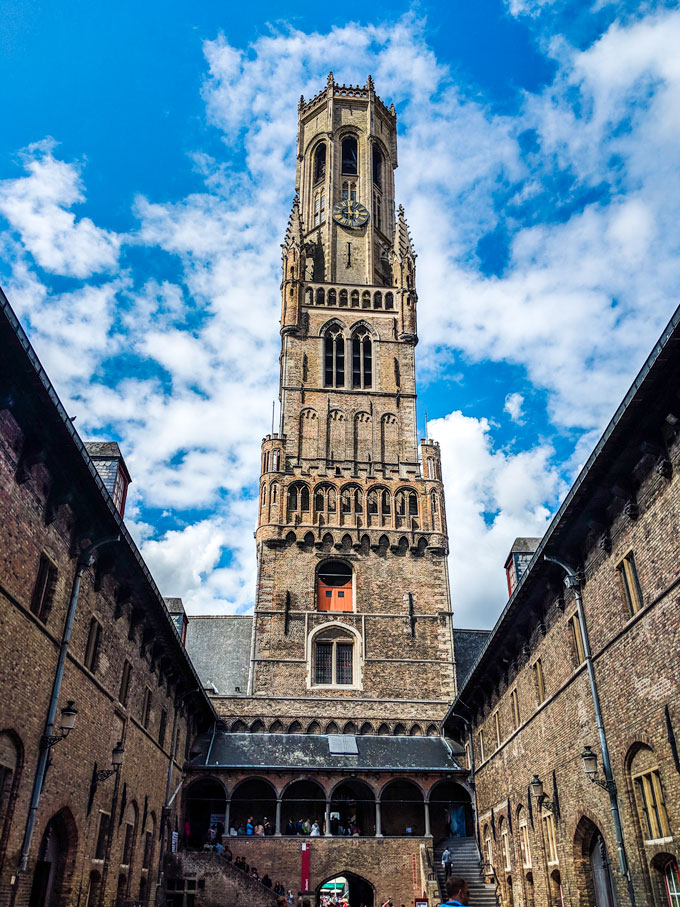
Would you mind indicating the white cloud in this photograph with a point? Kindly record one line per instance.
(38, 208)
(513, 406)
(492, 496)
(578, 304)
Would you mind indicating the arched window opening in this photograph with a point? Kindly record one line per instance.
(524, 847)
(11, 757)
(488, 847)
(354, 298)
(298, 498)
(275, 494)
(264, 495)
(372, 502)
(413, 504)
(334, 587)
(377, 300)
(254, 799)
(205, 804)
(377, 210)
(450, 811)
(309, 293)
(351, 500)
(276, 459)
(672, 881)
(343, 297)
(320, 162)
(402, 809)
(334, 358)
(353, 809)
(333, 657)
(377, 168)
(389, 301)
(435, 503)
(362, 359)
(319, 296)
(331, 297)
(302, 801)
(649, 795)
(366, 300)
(349, 156)
(386, 502)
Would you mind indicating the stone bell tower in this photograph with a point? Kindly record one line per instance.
(352, 616)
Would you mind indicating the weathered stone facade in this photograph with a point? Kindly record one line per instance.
(529, 700)
(94, 840)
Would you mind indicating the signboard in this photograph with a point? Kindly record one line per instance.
(421, 902)
(175, 842)
(304, 867)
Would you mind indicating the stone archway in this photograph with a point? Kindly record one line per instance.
(450, 808)
(357, 890)
(302, 800)
(402, 809)
(592, 864)
(54, 866)
(352, 806)
(205, 804)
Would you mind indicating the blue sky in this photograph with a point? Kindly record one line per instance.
(146, 174)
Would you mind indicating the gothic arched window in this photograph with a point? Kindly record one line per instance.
(354, 298)
(334, 358)
(389, 301)
(349, 156)
(334, 587)
(362, 359)
(377, 168)
(320, 162)
(298, 498)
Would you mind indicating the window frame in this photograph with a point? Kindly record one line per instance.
(577, 640)
(630, 583)
(344, 636)
(145, 717)
(539, 677)
(93, 645)
(548, 820)
(524, 843)
(514, 706)
(124, 690)
(103, 828)
(44, 589)
(651, 803)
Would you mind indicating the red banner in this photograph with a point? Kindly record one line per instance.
(304, 867)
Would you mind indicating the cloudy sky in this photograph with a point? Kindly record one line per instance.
(146, 174)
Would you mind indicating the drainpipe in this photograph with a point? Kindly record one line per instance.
(572, 581)
(85, 560)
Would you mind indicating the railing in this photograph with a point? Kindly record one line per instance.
(350, 297)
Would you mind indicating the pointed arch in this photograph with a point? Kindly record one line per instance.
(333, 339)
(363, 437)
(276, 727)
(399, 730)
(337, 436)
(389, 439)
(349, 728)
(331, 728)
(257, 727)
(295, 728)
(366, 728)
(432, 730)
(314, 728)
(416, 731)
(238, 727)
(384, 730)
(309, 434)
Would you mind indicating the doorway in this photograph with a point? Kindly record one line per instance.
(345, 888)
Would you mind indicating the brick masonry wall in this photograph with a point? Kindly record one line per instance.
(637, 665)
(29, 656)
(222, 884)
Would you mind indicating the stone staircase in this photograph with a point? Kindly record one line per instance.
(465, 863)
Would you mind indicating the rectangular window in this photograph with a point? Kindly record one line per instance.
(540, 680)
(577, 640)
(92, 647)
(324, 663)
(127, 846)
(550, 840)
(322, 217)
(146, 708)
(102, 835)
(344, 663)
(506, 850)
(514, 702)
(316, 211)
(630, 583)
(44, 588)
(652, 805)
(497, 728)
(524, 844)
(480, 739)
(125, 683)
(162, 728)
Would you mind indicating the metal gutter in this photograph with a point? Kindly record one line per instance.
(571, 495)
(92, 469)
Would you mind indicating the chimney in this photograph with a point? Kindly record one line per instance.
(518, 560)
(112, 470)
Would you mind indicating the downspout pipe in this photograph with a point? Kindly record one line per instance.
(573, 581)
(85, 560)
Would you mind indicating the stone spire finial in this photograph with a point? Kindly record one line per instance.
(301, 102)
(369, 83)
(294, 231)
(403, 244)
(331, 79)
(393, 109)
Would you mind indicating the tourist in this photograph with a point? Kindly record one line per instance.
(446, 862)
(290, 827)
(241, 829)
(219, 848)
(290, 896)
(232, 832)
(266, 880)
(456, 892)
(250, 826)
(316, 831)
(298, 827)
(306, 826)
(254, 874)
(259, 830)
(268, 827)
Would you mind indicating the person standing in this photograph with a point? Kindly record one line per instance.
(446, 863)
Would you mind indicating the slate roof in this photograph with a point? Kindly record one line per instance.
(467, 646)
(310, 752)
(219, 646)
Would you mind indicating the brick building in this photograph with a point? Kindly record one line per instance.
(527, 710)
(332, 695)
(84, 630)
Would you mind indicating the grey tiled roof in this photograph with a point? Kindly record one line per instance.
(219, 647)
(311, 752)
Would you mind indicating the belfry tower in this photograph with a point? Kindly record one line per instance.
(352, 619)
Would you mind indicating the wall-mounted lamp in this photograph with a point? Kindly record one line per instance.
(591, 770)
(537, 793)
(68, 720)
(117, 757)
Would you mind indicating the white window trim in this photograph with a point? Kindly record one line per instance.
(357, 660)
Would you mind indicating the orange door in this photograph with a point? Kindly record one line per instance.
(334, 598)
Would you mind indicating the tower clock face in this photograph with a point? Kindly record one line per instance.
(350, 214)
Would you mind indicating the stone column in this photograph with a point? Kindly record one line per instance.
(378, 820)
(428, 833)
(277, 828)
(328, 818)
(227, 812)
